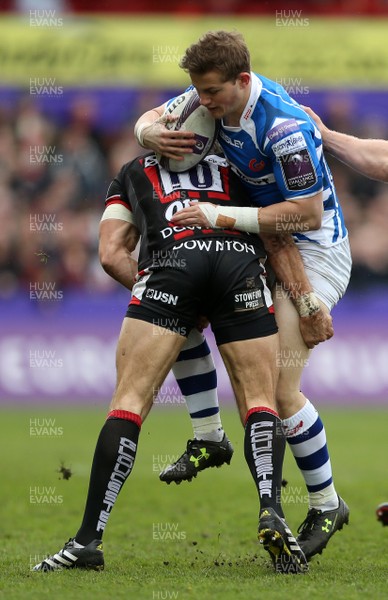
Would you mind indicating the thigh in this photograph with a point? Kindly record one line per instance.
(169, 297)
(251, 366)
(328, 270)
(239, 302)
(145, 354)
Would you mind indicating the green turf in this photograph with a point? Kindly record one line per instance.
(209, 550)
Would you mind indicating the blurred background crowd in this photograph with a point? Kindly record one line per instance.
(58, 156)
(74, 77)
(54, 174)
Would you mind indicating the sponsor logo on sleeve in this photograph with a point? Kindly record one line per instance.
(290, 143)
(290, 149)
(298, 170)
(283, 129)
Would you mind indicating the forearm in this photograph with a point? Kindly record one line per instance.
(287, 217)
(117, 241)
(291, 217)
(152, 131)
(123, 269)
(146, 121)
(286, 262)
(315, 322)
(369, 157)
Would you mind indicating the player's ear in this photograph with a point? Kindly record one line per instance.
(244, 79)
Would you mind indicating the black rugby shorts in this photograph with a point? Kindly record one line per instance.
(219, 278)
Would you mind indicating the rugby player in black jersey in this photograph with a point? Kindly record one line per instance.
(216, 273)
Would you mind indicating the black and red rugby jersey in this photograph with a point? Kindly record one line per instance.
(153, 195)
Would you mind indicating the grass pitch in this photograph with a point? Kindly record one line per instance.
(193, 541)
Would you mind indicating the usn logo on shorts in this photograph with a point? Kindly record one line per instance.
(164, 297)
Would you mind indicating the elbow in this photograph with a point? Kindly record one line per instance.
(315, 223)
(274, 243)
(106, 260)
(312, 213)
(314, 220)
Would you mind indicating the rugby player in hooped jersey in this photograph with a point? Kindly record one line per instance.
(276, 150)
(213, 271)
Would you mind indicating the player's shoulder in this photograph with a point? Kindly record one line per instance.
(269, 91)
(271, 94)
(282, 112)
(137, 161)
(275, 99)
(265, 82)
(118, 187)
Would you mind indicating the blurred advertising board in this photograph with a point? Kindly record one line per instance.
(64, 353)
(45, 45)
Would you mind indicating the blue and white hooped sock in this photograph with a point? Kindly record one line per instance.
(196, 376)
(306, 437)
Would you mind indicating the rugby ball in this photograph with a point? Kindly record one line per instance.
(192, 116)
(382, 513)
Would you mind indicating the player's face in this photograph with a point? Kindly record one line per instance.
(224, 99)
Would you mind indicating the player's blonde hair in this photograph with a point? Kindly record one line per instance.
(222, 51)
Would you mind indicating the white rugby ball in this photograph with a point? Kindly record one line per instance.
(192, 116)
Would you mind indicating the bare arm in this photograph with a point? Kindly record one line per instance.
(117, 241)
(151, 132)
(296, 216)
(315, 323)
(368, 156)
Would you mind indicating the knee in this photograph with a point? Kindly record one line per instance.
(289, 402)
(131, 403)
(284, 392)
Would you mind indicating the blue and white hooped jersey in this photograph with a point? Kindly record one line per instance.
(277, 152)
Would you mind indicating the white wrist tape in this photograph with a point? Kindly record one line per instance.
(307, 305)
(139, 133)
(231, 217)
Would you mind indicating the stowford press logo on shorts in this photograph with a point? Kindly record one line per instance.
(164, 297)
(250, 299)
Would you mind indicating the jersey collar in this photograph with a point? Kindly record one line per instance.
(245, 119)
(256, 87)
